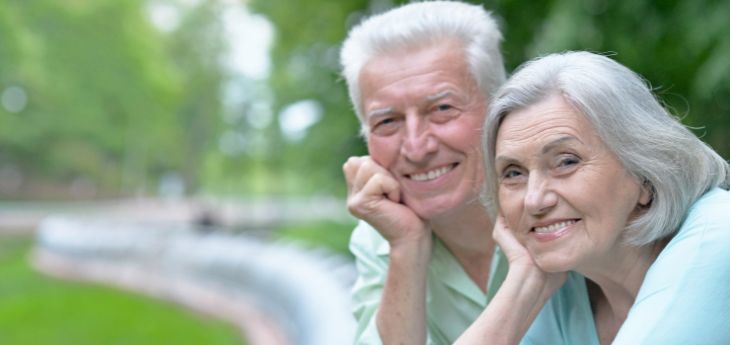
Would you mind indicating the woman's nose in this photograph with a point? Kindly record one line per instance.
(539, 199)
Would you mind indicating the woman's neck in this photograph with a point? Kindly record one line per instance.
(615, 283)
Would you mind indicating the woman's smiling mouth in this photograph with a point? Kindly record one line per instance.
(553, 231)
(553, 227)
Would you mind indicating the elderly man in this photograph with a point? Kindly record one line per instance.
(420, 77)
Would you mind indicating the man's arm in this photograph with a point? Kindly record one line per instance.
(374, 196)
(371, 253)
(401, 317)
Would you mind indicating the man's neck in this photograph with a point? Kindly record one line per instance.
(467, 234)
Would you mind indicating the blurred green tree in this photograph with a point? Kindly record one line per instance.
(108, 98)
(681, 46)
(306, 67)
(95, 96)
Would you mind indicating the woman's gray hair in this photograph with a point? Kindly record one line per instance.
(422, 24)
(662, 154)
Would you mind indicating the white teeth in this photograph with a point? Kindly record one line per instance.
(430, 175)
(553, 227)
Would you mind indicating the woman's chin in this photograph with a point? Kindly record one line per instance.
(552, 264)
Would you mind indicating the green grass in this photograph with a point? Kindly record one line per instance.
(328, 234)
(37, 310)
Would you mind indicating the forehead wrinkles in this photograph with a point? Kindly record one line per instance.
(516, 132)
(400, 90)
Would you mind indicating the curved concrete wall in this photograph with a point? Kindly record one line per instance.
(277, 293)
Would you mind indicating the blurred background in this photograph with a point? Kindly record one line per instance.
(231, 115)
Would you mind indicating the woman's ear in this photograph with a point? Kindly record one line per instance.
(646, 193)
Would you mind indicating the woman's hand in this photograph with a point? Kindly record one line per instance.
(519, 258)
(515, 252)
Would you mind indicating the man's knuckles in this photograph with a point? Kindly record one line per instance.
(362, 207)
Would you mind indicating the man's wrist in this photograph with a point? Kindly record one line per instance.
(417, 245)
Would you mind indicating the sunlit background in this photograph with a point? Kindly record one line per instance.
(206, 138)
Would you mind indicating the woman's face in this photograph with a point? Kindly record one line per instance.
(562, 192)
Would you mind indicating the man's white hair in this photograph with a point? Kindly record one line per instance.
(422, 24)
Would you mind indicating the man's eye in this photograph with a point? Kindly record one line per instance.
(444, 107)
(386, 121)
(386, 126)
(443, 113)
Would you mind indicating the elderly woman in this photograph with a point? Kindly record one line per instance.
(591, 175)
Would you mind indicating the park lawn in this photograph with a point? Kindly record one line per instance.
(35, 309)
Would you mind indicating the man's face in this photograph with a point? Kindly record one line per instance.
(424, 115)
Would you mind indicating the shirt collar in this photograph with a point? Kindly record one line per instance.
(445, 268)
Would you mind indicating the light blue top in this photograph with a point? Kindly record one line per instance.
(684, 299)
(453, 300)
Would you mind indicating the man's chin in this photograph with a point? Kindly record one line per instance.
(429, 210)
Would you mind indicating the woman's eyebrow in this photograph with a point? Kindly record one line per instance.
(557, 142)
(547, 148)
(506, 160)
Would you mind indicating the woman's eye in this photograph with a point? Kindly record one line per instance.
(510, 173)
(567, 161)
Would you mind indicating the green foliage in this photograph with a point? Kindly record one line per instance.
(40, 310)
(115, 101)
(680, 46)
(110, 98)
(306, 66)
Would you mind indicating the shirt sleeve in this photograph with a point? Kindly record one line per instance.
(566, 318)
(685, 297)
(449, 307)
(365, 245)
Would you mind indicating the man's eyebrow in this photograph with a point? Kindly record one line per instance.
(439, 95)
(557, 142)
(379, 112)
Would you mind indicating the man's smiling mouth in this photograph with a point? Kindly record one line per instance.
(432, 174)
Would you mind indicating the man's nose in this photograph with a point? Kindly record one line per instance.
(539, 198)
(419, 141)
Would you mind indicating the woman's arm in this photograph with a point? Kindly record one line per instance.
(518, 301)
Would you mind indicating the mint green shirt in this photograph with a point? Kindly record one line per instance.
(453, 300)
(684, 298)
